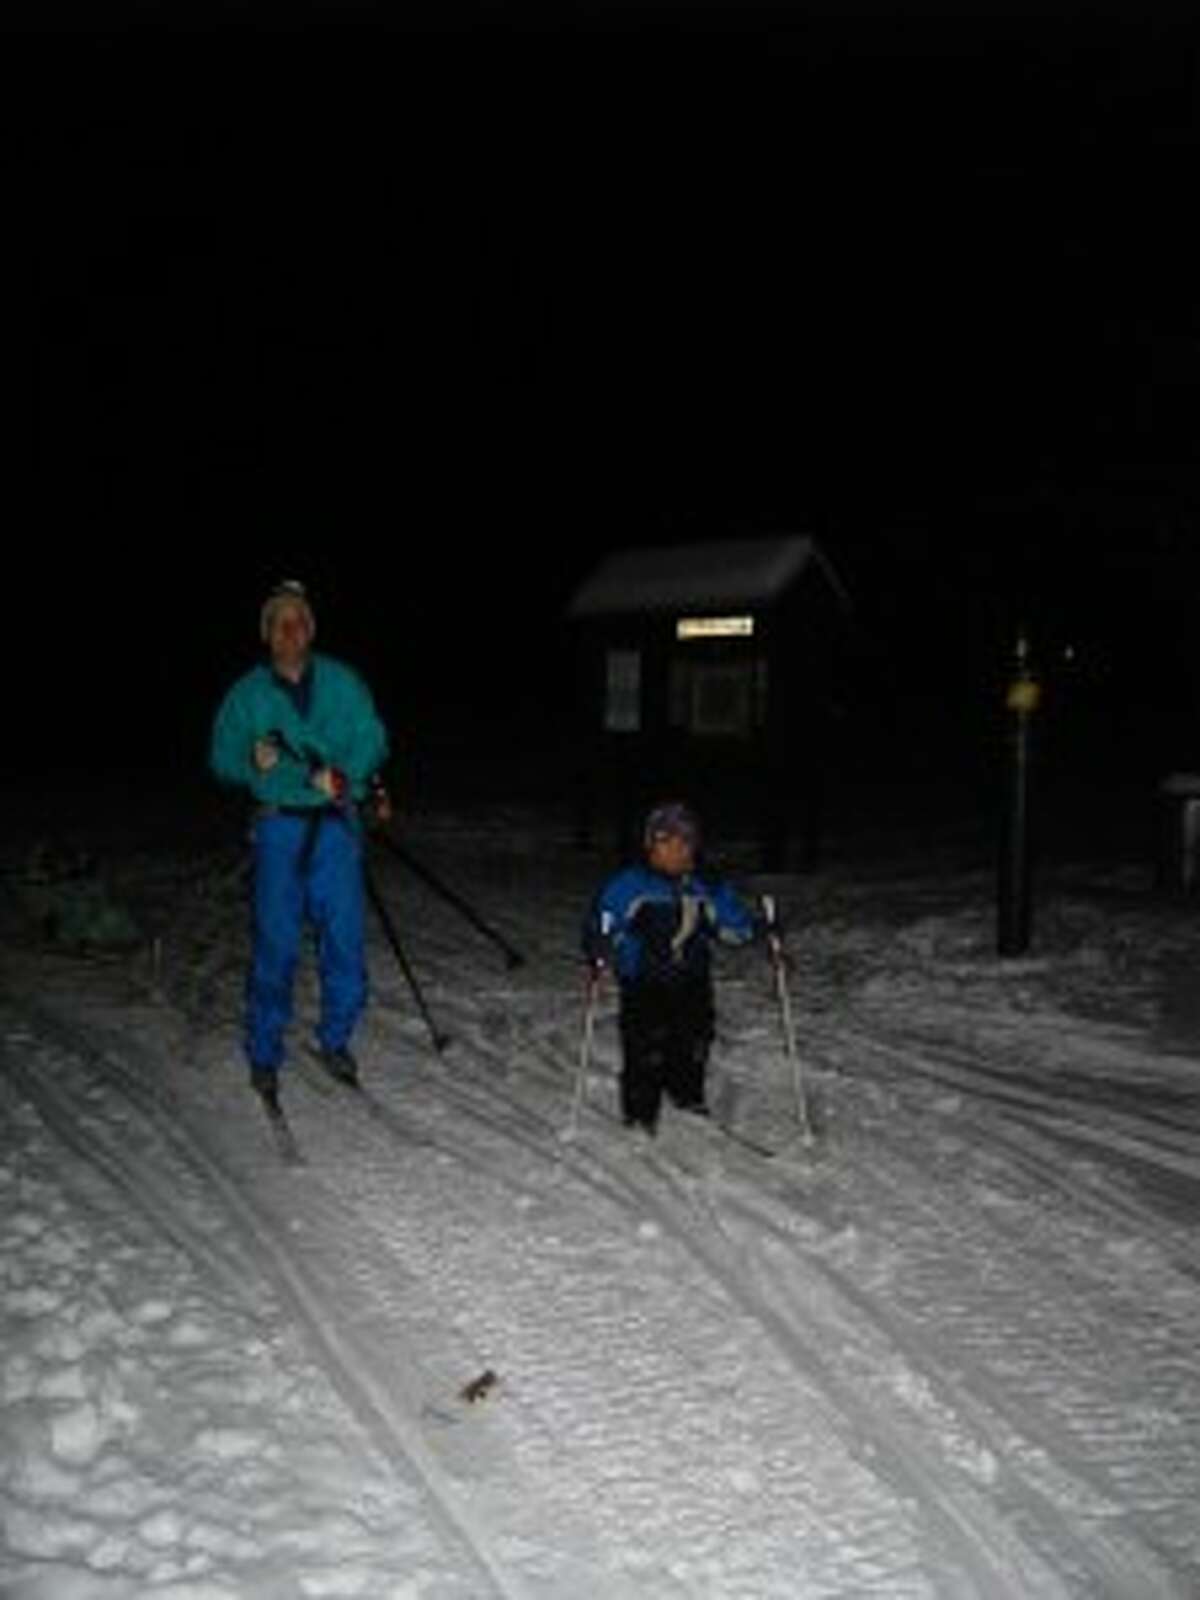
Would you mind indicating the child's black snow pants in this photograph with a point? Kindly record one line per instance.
(666, 1034)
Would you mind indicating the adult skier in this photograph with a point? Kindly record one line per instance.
(301, 733)
(653, 923)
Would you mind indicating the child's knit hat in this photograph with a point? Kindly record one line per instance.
(672, 819)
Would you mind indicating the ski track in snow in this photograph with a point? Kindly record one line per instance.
(947, 1352)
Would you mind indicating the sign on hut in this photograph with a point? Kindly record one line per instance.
(708, 671)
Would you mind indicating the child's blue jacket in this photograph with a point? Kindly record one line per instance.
(654, 928)
(341, 729)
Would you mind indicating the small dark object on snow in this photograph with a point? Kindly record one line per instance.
(479, 1388)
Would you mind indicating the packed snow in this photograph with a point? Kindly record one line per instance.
(469, 1344)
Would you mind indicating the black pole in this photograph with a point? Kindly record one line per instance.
(313, 761)
(1014, 900)
(440, 1040)
(513, 957)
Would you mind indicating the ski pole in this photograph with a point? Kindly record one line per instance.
(775, 948)
(585, 1052)
(440, 1040)
(343, 808)
(513, 957)
(312, 826)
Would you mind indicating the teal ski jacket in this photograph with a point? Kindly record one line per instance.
(341, 729)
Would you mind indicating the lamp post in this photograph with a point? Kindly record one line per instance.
(1014, 909)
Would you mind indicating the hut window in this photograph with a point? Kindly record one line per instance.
(722, 697)
(623, 691)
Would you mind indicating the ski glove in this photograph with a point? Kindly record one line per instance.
(264, 753)
(598, 943)
(332, 782)
(598, 952)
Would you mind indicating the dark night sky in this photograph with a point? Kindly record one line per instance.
(430, 305)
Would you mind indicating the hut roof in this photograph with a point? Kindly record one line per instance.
(720, 572)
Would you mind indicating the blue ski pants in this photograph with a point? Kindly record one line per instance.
(301, 875)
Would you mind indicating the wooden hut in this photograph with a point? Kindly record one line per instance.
(708, 672)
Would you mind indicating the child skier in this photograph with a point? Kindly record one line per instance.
(653, 924)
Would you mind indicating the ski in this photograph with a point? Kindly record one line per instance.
(716, 1130)
(708, 1133)
(704, 1131)
(709, 1128)
(745, 1142)
(319, 1078)
(327, 1084)
(281, 1133)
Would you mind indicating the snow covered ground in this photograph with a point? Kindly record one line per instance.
(949, 1350)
